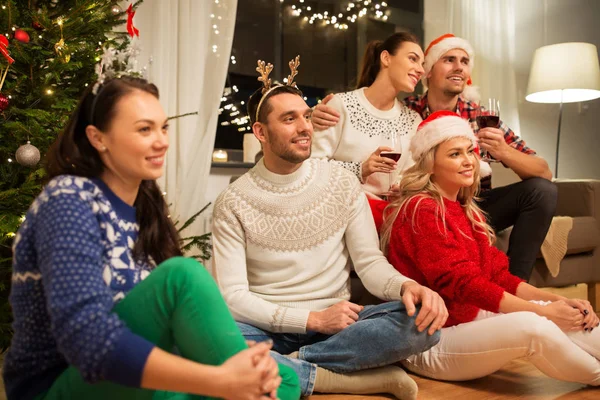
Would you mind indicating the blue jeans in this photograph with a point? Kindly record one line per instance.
(384, 334)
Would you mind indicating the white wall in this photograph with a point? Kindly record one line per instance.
(545, 22)
(539, 23)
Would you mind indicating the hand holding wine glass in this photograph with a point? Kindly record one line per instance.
(488, 116)
(395, 155)
(378, 163)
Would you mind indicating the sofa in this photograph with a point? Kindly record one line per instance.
(579, 199)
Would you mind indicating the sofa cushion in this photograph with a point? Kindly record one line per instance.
(583, 238)
(573, 270)
(585, 235)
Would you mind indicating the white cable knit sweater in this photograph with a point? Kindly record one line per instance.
(283, 243)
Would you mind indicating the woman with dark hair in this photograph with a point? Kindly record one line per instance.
(371, 119)
(100, 293)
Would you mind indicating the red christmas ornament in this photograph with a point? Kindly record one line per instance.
(37, 26)
(3, 102)
(22, 36)
(4, 50)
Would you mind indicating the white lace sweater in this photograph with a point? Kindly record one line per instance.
(362, 128)
(283, 244)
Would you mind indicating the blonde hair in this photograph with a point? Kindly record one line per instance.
(416, 184)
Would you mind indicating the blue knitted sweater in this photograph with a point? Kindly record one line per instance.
(72, 262)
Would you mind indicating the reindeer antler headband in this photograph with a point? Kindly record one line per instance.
(265, 69)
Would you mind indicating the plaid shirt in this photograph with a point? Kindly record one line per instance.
(468, 110)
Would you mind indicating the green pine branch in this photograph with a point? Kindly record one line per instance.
(200, 242)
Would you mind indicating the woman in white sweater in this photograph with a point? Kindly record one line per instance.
(371, 119)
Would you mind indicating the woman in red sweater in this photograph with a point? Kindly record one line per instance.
(435, 234)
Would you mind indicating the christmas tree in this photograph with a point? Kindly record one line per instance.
(48, 52)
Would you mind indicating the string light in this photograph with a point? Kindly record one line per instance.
(232, 108)
(353, 11)
(215, 26)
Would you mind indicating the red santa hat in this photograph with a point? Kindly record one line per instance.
(440, 46)
(439, 127)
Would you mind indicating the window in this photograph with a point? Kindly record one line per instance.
(272, 31)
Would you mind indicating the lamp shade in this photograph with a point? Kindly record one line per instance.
(566, 72)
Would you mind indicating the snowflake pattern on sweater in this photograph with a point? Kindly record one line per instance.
(72, 262)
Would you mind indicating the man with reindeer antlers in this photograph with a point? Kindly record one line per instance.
(284, 237)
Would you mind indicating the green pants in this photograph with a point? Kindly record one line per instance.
(177, 305)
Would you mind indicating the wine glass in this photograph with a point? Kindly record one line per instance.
(394, 155)
(488, 116)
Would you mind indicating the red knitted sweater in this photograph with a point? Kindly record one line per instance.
(459, 263)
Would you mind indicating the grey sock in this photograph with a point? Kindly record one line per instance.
(389, 379)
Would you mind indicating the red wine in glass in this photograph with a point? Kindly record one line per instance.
(488, 116)
(394, 155)
(488, 121)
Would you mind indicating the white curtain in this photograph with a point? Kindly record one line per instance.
(490, 28)
(189, 45)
